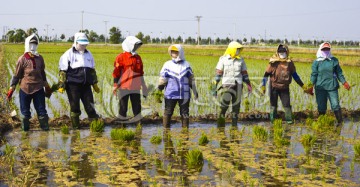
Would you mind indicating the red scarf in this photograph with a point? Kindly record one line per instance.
(30, 56)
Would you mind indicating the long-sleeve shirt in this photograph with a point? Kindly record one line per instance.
(30, 71)
(326, 74)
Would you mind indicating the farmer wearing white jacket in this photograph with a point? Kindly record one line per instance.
(77, 75)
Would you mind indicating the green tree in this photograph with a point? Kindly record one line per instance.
(93, 36)
(101, 38)
(62, 36)
(147, 39)
(140, 36)
(30, 31)
(17, 36)
(115, 35)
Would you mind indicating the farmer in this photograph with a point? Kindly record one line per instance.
(281, 70)
(326, 72)
(177, 78)
(231, 68)
(77, 75)
(128, 77)
(30, 72)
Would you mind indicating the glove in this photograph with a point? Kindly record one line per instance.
(249, 88)
(62, 80)
(308, 88)
(48, 91)
(96, 88)
(115, 87)
(9, 93)
(263, 89)
(346, 85)
(196, 96)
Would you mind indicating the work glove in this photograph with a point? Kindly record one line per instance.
(62, 80)
(115, 87)
(249, 88)
(263, 89)
(158, 95)
(96, 88)
(48, 91)
(308, 88)
(10, 93)
(346, 85)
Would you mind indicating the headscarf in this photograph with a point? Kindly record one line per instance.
(231, 49)
(129, 43)
(276, 57)
(177, 47)
(320, 56)
(28, 40)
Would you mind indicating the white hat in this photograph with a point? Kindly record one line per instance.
(81, 39)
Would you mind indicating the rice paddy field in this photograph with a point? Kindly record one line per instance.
(312, 152)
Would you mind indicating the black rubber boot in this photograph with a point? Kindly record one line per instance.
(25, 124)
(166, 121)
(75, 120)
(321, 113)
(338, 116)
(44, 122)
(185, 122)
(273, 113)
(288, 115)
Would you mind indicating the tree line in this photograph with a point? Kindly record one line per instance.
(116, 37)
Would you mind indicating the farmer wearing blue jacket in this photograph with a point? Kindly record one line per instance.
(326, 72)
(177, 78)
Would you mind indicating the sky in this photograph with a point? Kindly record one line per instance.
(276, 19)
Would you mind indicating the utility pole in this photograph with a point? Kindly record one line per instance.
(198, 33)
(82, 21)
(105, 30)
(47, 32)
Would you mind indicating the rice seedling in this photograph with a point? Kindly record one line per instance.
(309, 122)
(356, 147)
(308, 141)
(203, 140)
(122, 135)
(97, 125)
(65, 129)
(156, 140)
(260, 133)
(221, 121)
(194, 159)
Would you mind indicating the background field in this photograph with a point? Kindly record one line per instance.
(203, 60)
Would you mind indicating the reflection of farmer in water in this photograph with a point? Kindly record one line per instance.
(128, 77)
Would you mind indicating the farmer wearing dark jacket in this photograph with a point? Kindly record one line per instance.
(325, 76)
(77, 75)
(281, 70)
(30, 74)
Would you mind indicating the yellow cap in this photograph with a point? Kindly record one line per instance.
(173, 48)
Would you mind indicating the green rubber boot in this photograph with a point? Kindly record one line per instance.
(166, 121)
(44, 122)
(75, 120)
(339, 118)
(185, 122)
(273, 113)
(25, 124)
(288, 115)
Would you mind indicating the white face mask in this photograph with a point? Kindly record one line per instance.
(237, 52)
(283, 55)
(33, 47)
(81, 48)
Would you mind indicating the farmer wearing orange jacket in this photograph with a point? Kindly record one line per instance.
(128, 77)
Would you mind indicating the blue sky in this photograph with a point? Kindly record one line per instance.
(307, 19)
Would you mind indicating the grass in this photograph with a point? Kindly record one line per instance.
(203, 140)
(65, 129)
(308, 141)
(324, 123)
(122, 135)
(260, 133)
(156, 140)
(97, 125)
(356, 147)
(194, 159)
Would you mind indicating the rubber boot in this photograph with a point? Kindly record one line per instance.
(25, 123)
(75, 120)
(321, 113)
(234, 120)
(44, 122)
(185, 122)
(338, 116)
(273, 113)
(166, 121)
(288, 115)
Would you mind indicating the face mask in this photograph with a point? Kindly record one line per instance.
(81, 48)
(33, 47)
(325, 54)
(237, 52)
(283, 55)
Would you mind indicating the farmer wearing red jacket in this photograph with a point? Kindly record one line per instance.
(128, 77)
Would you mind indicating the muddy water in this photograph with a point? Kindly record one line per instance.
(232, 158)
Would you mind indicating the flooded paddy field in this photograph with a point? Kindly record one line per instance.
(233, 156)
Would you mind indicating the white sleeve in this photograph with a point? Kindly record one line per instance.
(64, 61)
(220, 65)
